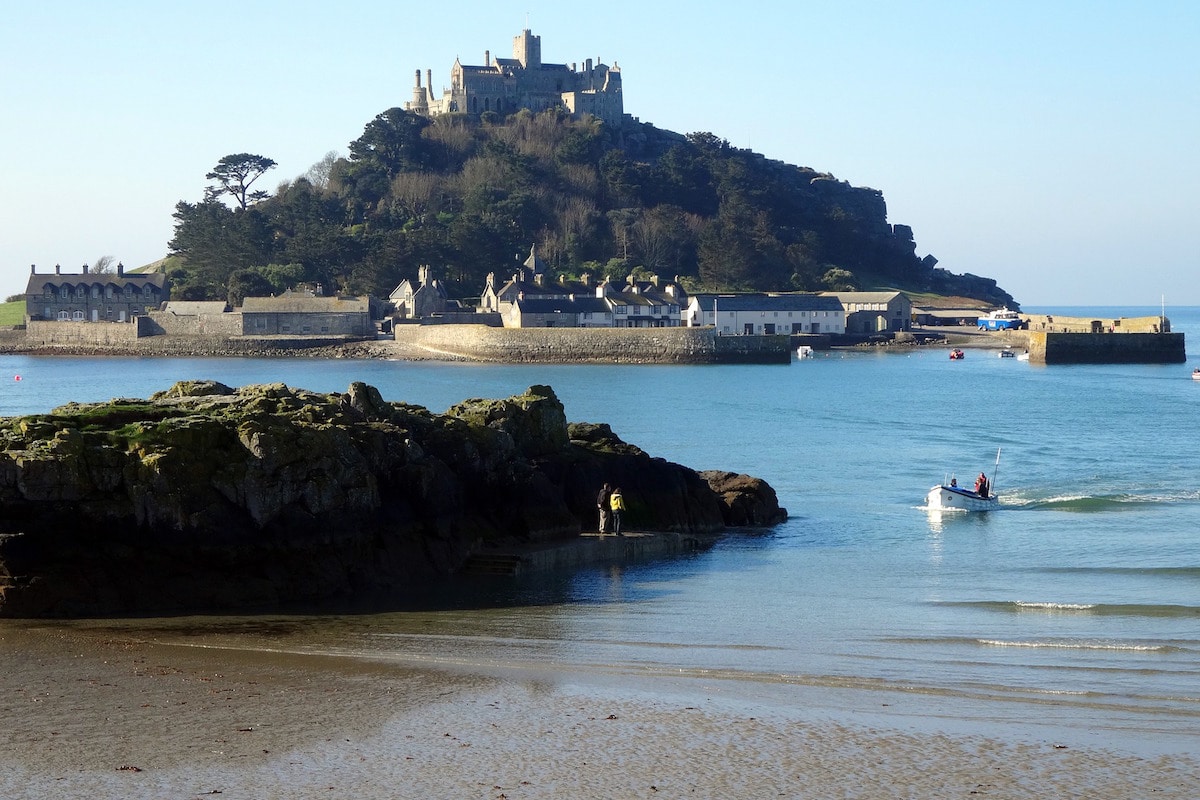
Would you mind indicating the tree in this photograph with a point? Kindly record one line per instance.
(234, 174)
(104, 265)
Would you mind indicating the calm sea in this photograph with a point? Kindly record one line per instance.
(1074, 611)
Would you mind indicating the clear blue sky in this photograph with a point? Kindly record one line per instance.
(1054, 146)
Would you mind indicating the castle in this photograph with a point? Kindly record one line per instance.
(506, 85)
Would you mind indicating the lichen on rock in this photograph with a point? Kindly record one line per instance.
(205, 497)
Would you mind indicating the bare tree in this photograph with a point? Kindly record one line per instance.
(104, 265)
(318, 173)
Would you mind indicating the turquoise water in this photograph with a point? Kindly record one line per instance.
(1075, 608)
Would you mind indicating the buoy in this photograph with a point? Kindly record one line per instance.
(16, 377)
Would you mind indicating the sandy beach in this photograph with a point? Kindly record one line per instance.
(89, 715)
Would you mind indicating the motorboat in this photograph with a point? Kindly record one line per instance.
(1023, 356)
(1196, 374)
(951, 496)
(804, 351)
(1006, 353)
(958, 498)
(957, 355)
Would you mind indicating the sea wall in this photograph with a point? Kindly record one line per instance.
(594, 345)
(1058, 323)
(81, 334)
(171, 324)
(1106, 348)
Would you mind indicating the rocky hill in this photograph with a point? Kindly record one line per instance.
(204, 497)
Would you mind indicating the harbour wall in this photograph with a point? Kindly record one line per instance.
(590, 345)
(1106, 348)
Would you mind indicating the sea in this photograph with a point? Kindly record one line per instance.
(1071, 614)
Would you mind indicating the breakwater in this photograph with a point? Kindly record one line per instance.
(589, 345)
(1106, 348)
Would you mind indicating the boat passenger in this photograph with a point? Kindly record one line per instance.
(953, 483)
(981, 485)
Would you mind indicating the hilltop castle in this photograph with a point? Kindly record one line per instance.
(506, 85)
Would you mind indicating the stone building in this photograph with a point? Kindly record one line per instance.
(875, 312)
(306, 314)
(93, 296)
(426, 297)
(507, 85)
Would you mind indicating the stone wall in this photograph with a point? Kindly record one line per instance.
(594, 345)
(81, 334)
(1057, 323)
(1106, 348)
(171, 324)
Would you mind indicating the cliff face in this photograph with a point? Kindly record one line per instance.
(206, 498)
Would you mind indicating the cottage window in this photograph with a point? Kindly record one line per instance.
(66, 292)
(49, 292)
(95, 291)
(108, 292)
(77, 316)
(63, 316)
(47, 312)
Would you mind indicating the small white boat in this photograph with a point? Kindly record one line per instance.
(1196, 374)
(959, 499)
(951, 496)
(1023, 356)
(804, 351)
(1006, 353)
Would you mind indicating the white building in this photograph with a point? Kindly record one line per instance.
(766, 314)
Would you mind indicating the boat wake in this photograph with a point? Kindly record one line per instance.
(1087, 504)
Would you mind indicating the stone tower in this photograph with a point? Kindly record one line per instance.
(527, 49)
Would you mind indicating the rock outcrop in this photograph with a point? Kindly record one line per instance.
(204, 497)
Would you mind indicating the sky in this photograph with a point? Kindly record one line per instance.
(1052, 146)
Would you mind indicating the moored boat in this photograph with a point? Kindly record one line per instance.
(1196, 374)
(1007, 353)
(957, 355)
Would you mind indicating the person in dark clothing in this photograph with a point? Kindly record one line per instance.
(603, 504)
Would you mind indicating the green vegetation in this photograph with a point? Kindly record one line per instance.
(12, 312)
(468, 195)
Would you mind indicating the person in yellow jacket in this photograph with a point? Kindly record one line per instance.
(617, 503)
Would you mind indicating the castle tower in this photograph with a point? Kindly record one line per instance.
(527, 49)
(419, 104)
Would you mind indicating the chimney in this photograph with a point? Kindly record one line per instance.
(538, 278)
(429, 80)
(585, 279)
(487, 58)
(120, 269)
(57, 269)
(654, 280)
(33, 269)
(85, 269)
(418, 76)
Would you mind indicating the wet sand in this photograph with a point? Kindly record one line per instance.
(89, 716)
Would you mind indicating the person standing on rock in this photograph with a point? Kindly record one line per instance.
(602, 503)
(617, 503)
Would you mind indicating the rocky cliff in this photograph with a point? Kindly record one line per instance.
(205, 497)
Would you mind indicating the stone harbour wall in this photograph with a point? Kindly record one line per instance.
(1106, 348)
(591, 345)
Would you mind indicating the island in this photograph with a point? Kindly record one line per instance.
(209, 498)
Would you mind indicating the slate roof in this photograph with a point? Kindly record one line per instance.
(562, 305)
(39, 281)
(293, 303)
(768, 302)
